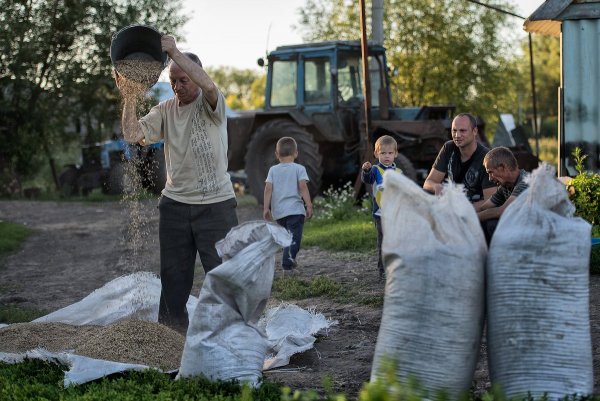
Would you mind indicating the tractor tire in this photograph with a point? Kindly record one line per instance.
(156, 171)
(260, 155)
(67, 182)
(406, 166)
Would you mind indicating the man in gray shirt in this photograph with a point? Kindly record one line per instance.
(503, 169)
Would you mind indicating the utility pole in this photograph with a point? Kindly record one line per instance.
(364, 45)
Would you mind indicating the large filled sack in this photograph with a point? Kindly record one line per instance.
(434, 254)
(224, 340)
(538, 295)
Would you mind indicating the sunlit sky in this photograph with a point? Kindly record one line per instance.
(237, 32)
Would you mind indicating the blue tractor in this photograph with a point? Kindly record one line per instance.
(314, 94)
(104, 164)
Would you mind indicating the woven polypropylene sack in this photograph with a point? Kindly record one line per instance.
(538, 296)
(434, 254)
(224, 341)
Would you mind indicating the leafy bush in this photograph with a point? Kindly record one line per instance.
(338, 204)
(584, 191)
(39, 380)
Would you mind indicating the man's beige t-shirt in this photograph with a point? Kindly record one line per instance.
(195, 140)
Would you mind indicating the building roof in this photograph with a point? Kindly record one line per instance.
(548, 17)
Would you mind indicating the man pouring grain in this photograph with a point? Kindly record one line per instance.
(197, 206)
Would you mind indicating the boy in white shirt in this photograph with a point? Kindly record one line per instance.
(287, 199)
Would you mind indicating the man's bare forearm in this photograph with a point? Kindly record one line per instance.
(132, 130)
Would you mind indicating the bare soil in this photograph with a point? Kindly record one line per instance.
(76, 248)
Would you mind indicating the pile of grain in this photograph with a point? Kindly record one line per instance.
(56, 337)
(136, 341)
(145, 72)
(128, 341)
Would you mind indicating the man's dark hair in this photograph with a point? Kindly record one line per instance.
(472, 119)
(501, 156)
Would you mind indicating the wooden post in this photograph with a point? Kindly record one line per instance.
(368, 154)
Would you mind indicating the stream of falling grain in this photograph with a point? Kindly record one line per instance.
(139, 171)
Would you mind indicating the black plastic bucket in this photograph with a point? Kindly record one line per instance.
(141, 43)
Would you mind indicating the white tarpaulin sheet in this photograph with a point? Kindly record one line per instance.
(289, 328)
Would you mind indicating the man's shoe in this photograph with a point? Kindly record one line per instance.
(294, 263)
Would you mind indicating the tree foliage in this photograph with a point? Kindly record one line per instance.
(55, 73)
(440, 51)
(243, 88)
(546, 58)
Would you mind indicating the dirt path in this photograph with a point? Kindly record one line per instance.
(78, 247)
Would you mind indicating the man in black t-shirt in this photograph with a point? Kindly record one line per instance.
(461, 161)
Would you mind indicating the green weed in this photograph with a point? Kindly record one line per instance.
(293, 288)
(13, 314)
(12, 236)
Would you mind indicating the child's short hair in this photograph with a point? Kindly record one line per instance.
(286, 146)
(385, 140)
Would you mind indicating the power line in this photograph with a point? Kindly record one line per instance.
(496, 8)
(531, 70)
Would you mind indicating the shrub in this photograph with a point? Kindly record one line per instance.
(338, 204)
(584, 191)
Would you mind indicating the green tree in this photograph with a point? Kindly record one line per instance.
(239, 86)
(546, 58)
(55, 73)
(441, 51)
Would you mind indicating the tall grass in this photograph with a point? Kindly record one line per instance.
(341, 223)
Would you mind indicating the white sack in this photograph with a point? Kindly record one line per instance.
(223, 341)
(290, 330)
(538, 295)
(134, 296)
(434, 253)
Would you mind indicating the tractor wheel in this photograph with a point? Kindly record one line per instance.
(156, 171)
(406, 166)
(67, 182)
(260, 155)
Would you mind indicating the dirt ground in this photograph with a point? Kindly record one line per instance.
(78, 247)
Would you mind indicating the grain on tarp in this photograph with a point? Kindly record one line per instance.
(127, 341)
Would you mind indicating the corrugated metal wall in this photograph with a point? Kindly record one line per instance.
(580, 92)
